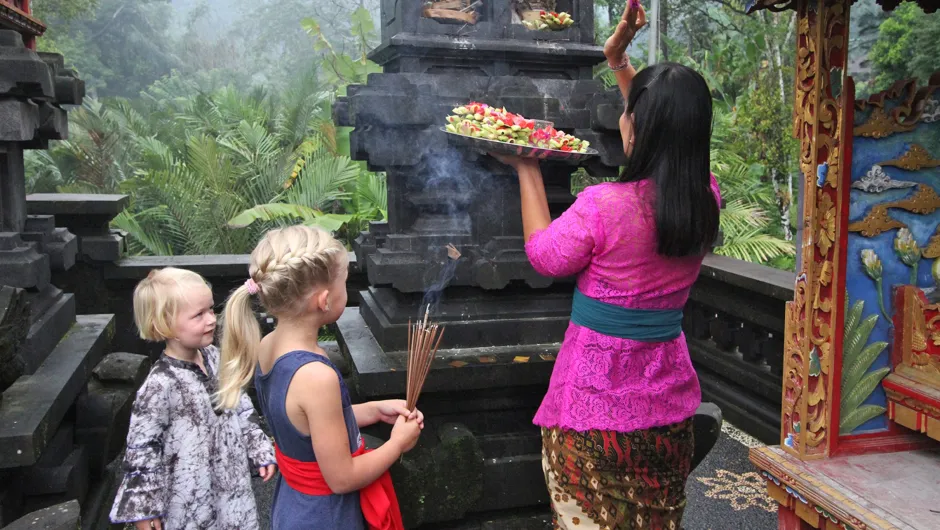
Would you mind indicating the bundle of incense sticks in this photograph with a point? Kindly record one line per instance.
(423, 341)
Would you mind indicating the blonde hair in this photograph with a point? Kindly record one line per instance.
(286, 266)
(157, 299)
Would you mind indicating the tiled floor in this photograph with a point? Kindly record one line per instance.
(726, 492)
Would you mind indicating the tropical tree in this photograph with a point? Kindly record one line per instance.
(192, 161)
(370, 199)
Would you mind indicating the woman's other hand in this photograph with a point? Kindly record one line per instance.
(634, 18)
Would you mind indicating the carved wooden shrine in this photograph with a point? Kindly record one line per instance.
(861, 374)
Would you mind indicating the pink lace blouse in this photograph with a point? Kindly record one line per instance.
(608, 239)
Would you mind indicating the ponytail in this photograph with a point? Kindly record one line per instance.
(241, 337)
(285, 266)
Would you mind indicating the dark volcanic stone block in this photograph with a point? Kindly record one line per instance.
(513, 482)
(382, 374)
(474, 318)
(440, 482)
(66, 204)
(44, 224)
(108, 247)
(123, 368)
(65, 516)
(83, 214)
(34, 405)
(22, 72)
(62, 249)
(102, 419)
(59, 448)
(48, 327)
(68, 480)
(14, 324)
(21, 265)
(19, 120)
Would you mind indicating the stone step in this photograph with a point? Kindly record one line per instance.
(45, 486)
(34, 406)
(59, 447)
(65, 516)
(14, 324)
(98, 502)
(47, 326)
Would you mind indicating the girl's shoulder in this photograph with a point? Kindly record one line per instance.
(159, 382)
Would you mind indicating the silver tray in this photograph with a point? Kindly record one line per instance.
(525, 151)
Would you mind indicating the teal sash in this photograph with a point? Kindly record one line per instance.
(644, 325)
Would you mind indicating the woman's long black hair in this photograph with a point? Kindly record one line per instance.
(671, 107)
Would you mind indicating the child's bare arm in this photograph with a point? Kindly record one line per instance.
(386, 411)
(319, 398)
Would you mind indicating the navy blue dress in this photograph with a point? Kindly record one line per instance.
(293, 509)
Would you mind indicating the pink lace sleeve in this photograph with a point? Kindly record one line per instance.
(716, 190)
(566, 246)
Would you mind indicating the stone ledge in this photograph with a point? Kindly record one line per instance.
(47, 329)
(209, 266)
(76, 203)
(754, 277)
(378, 374)
(107, 248)
(66, 516)
(33, 406)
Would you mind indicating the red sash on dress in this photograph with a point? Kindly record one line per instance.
(378, 500)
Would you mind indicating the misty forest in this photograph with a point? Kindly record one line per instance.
(215, 115)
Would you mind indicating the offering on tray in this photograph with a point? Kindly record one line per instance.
(549, 138)
(479, 120)
(550, 20)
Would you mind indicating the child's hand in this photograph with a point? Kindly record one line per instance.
(405, 433)
(148, 524)
(390, 409)
(267, 472)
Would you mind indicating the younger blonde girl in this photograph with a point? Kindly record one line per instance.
(187, 465)
(328, 480)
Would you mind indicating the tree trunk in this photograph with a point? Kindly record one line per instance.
(783, 199)
(663, 29)
(787, 232)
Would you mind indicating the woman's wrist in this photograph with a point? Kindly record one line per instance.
(618, 63)
(528, 168)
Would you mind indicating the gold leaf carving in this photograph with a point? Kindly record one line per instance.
(827, 224)
(915, 159)
(924, 201)
(876, 222)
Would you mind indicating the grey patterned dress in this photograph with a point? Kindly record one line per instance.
(186, 463)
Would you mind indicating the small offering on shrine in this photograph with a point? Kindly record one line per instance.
(453, 11)
(550, 21)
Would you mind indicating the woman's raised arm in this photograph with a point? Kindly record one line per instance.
(615, 49)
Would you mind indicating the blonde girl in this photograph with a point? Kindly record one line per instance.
(328, 480)
(187, 464)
